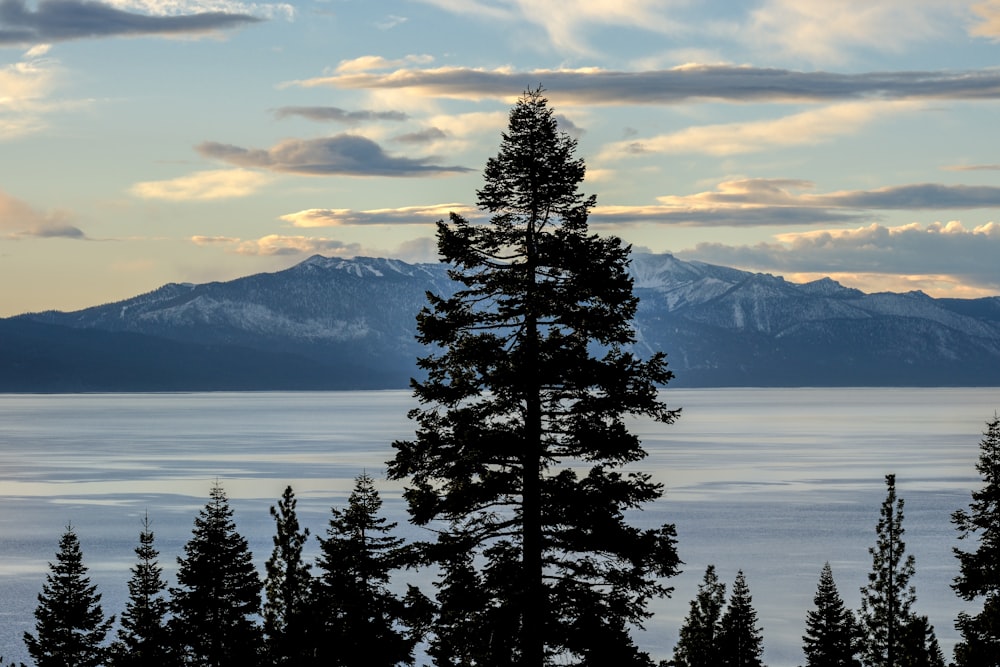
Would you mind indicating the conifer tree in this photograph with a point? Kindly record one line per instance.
(920, 644)
(70, 626)
(522, 426)
(979, 576)
(832, 636)
(887, 600)
(287, 588)
(740, 641)
(697, 642)
(363, 622)
(217, 603)
(142, 637)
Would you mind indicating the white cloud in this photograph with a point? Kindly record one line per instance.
(184, 7)
(830, 32)
(375, 63)
(988, 24)
(25, 87)
(203, 185)
(276, 244)
(801, 129)
(407, 215)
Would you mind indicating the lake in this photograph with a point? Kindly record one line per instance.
(773, 481)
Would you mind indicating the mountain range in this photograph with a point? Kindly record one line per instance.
(332, 323)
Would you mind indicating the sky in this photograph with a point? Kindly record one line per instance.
(144, 142)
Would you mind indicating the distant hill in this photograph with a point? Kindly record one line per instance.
(349, 324)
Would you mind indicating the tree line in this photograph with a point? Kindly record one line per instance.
(522, 467)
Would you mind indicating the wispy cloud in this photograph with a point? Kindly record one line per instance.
(770, 202)
(567, 28)
(988, 23)
(24, 89)
(343, 154)
(688, 83)
(275, 244)
(408, 215)
(268, 10)
(203, 185)
(809, 127)
(949, 251)
(972, 167)
(833, 32)
(19, 220)
(338, 115)
(63, 20)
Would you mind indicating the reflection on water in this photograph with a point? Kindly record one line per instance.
(773, 481)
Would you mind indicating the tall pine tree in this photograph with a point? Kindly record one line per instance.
(363, 622)
(979, 575)
(740, 641)
(142, 638)
(697, 644)
(887, 600)
(833, 638)
(522, 426)
(287, 588)
(217, 602)
(70, 626)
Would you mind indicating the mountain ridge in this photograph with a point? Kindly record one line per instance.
(335, 323)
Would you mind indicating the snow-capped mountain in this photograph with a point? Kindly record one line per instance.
(338, 323)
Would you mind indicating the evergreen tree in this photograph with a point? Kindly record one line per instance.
(979, 576)
(287, 588)
(697, 642)
(832, 636)
(142, 638)
(70, 626)
(740, 642)
(887, 600)
(217, 602)
(528, 376)
(363, 622)
(920, 645)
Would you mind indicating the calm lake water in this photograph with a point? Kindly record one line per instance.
(773, 481)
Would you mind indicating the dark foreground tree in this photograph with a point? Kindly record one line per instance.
(832, 636)
(142, 637)
(287, 588)
(697, 644)
(979, 575)
(739, 639)
(887, 600)
(70, 626)
(217, 603)
(920, 645)
(363, 623)
(522, 429)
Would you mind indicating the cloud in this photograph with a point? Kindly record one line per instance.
(409, 215)
(938, 249)
(367, 63)
(338, 115)
(988, 25)
(63, 20)
(823, 31)
(427, 136)
(805, 128)
(687, 83)
(567, 30)
(18, 220)
(26, 88)
(203, 185)
(268, 10)
(777, 202)
(275, 244)
(390, 22)
(343, 154)
(972, 167)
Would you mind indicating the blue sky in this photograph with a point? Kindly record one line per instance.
(152, 141)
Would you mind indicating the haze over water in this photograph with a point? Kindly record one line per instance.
(773, 481)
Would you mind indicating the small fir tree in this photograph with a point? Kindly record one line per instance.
(142, 637)
(832, 636)
(363, 622)
(70, 626)
(697, 643)
(887, 600)
(979, 576)
(740, 641)
(920, 644)
(217, 603)
(287, 588)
